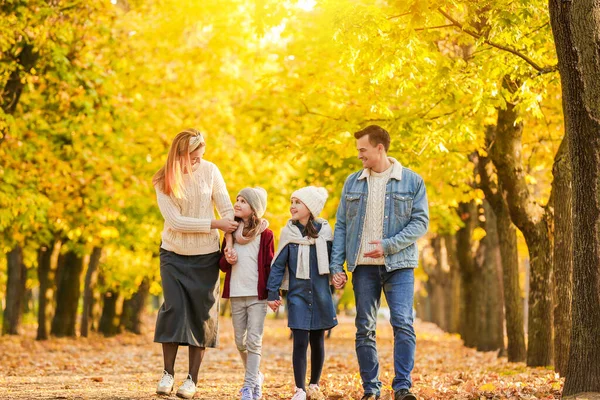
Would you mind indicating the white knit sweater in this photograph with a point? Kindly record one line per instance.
(187, 221)
(373, 227)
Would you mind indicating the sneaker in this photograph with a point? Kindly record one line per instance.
(404, 394)
(165, 386)
(187, 390)
(246, 393)
(257, 392)
(370, 396)
(299, 395)
(313, 392)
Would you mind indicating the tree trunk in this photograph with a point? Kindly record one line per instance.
(97, 304)
(442, 282)
(513, 301)
(576, 29)
(13, 88)
(432, 265)
(91, 277)
(563, 256)
(507, 237)
(109, 322)
(491, 287)
(133, 309)
(68, 291)
(468, 325)
(47, 258)
(15, 291)
(454, 292)
(531, 219)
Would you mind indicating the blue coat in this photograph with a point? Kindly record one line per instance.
(309, 301)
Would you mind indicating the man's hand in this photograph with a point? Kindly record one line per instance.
(274, 304)
(339, 280)
(377, 252)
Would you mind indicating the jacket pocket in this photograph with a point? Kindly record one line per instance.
(352, 206)
(402, 205)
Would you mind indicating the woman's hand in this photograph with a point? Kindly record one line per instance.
(226, 225)
(274, 304)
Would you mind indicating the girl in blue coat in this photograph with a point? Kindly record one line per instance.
(301, 266)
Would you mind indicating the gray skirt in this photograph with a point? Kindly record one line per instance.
(189, 315)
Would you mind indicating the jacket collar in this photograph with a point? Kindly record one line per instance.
(396, 170)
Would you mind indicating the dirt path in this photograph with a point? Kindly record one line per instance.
(129, 366)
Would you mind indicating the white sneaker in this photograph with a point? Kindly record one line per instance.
(246, 393)
(299, 395)
(187, 390)
(165, 386)
(313, 392)
(257, 393)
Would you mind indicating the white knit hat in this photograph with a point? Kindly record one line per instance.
(313, 198)
(257, 198)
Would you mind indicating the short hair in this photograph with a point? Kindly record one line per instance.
(377, 135)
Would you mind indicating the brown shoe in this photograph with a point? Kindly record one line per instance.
(370, 396)
(404, 394)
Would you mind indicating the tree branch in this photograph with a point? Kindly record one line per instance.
(541, 70)
(399, 15)
(308, 111)
(427, 28)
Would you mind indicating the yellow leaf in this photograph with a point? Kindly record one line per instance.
(488, 387)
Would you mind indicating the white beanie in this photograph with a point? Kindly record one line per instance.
(257, 198)
(313, 198)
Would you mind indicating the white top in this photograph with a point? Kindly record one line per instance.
(244, 273)
(373, 227)
(187, 221)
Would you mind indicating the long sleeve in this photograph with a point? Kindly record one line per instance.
(276, 275)
(220, 196)
(416, 227)
(271, 251)
(338, 252)
(176, 221)
(223, 264)
(187, 228)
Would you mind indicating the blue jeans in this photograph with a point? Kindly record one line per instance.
(398, 287)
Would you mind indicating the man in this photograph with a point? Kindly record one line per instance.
(383, 211)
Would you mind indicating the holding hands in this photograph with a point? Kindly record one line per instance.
(231, 255)
(339, 280)
(274, 304)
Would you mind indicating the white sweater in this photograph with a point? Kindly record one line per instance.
(373, 227)
(187, 221)
(244, 273)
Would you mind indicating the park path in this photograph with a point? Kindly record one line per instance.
(128, 367)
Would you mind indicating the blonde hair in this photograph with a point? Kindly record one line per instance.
(253, 227)
(169, 179)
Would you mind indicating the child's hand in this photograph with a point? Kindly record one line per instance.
(231, 255)
(274, 304)
(339, 280)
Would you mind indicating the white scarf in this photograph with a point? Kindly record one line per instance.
(291, 234)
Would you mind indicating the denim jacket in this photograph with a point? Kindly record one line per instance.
(406, 218)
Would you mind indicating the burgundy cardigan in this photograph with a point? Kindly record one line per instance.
(266, 251)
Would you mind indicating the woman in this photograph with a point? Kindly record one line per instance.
(188, 188)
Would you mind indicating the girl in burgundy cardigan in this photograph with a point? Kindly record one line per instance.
(247, 267)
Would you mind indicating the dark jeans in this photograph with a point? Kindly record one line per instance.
(398, 286)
